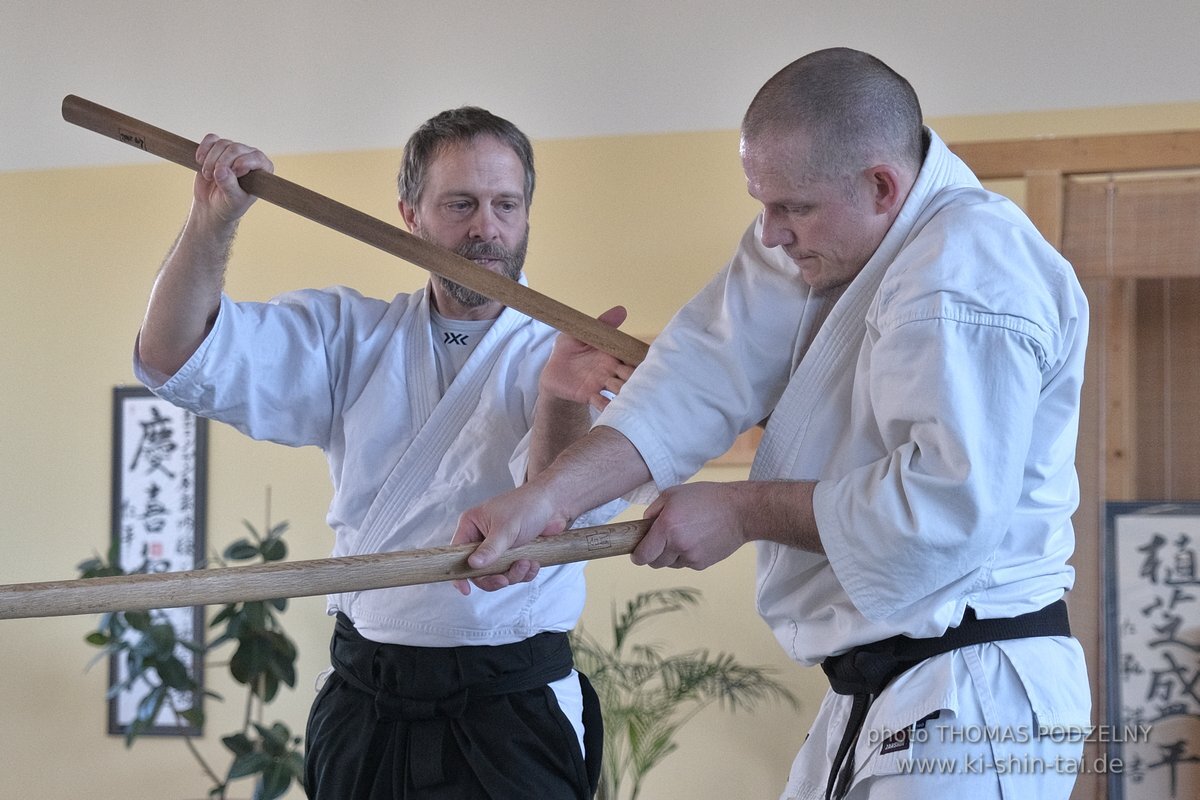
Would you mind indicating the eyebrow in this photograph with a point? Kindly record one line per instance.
(449, 193)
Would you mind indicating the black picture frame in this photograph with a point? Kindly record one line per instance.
(159, 498)
(1152, 658)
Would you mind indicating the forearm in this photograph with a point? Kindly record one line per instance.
(599, 467)
(779, 511)
(186, 294)
(557, 424)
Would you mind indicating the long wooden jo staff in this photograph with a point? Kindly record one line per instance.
(302, 578)
(365, 228)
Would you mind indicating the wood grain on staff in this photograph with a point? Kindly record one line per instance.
(199, 587)
(365, 228)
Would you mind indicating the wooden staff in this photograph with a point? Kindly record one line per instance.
(365, 228)
(143, 592)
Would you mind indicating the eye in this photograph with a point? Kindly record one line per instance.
(509, 206)
(458, 206)
(789, 210)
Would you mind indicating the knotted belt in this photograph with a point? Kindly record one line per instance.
(429, 686)
(865, 671)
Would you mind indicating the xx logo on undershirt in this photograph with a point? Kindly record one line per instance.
(455, 338)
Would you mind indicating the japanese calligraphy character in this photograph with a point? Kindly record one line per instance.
(1174, 754)
(1153, 562)
(156, 445)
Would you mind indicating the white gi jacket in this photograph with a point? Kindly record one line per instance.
(356, 377)
(936, 404)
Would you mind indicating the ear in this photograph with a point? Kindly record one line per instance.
(408, 213)
(888, 189)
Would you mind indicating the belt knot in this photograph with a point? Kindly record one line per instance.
(391, 707)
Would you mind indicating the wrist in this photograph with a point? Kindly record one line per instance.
(551, 490)
(554, 401)
(746, 501)
(553, 392)
(206, 224)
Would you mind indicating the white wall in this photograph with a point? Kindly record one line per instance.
(313, 75)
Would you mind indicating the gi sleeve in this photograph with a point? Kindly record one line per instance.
(958, 389)
(718, 367)
(271, 370)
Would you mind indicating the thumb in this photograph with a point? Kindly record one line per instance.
(488, 551)
(468, 531)
(614, 316)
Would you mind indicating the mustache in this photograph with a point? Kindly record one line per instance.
(491, 250)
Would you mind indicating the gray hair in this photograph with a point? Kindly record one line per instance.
(854, 108)
(452, 127)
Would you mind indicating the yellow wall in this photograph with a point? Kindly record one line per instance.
(641, 221)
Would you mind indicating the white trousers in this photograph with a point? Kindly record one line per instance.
(984, 742)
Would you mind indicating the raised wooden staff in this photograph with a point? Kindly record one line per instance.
(365, 228)
(302, 578)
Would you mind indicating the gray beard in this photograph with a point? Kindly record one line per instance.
(514, 262)
(467, 298)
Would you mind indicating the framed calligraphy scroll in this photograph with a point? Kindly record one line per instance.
(1153, 654)
(160, 455)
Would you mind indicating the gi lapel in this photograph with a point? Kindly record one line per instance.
(440, 422)
(832, 354)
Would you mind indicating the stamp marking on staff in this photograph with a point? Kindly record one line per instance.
(598, 541)
(133, 139)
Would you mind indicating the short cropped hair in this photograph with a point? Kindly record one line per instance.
(453, 127)
(855, 109)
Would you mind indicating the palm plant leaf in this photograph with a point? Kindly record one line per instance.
(647, 695)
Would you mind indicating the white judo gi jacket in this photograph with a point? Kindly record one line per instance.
(356, 377)
(936, 403)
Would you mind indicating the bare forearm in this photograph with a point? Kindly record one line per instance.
(779, 511)
(601, 466)
(186, 295)
(557, 424)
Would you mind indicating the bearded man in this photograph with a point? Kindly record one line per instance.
(424, 405)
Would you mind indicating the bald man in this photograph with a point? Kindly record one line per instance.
(917, 349)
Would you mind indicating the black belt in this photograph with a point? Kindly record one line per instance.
(864, 671)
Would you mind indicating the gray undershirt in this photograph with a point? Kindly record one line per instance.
(453, 342)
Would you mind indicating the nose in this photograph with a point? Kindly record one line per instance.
(774, 232)
(484, 224)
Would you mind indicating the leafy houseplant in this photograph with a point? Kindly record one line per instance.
(263, 657)
(647, 696)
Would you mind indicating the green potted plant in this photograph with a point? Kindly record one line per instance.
(263, 657)
(647, 696)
